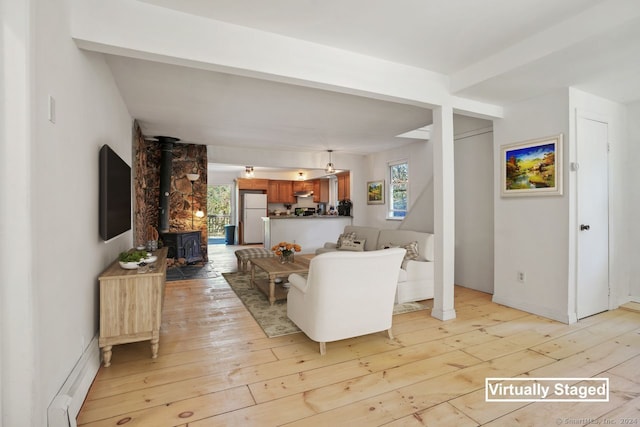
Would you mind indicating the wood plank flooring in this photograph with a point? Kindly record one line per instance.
(217, 368)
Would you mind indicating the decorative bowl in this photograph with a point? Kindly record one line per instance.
(128, 265)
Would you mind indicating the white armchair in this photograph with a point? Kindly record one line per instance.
(345, 294)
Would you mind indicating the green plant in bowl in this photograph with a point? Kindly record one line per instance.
(132, 256)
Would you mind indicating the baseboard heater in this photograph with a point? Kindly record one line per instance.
(66, 405)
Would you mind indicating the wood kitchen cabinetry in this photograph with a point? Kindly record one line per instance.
(321, 190)
(302, 186)
(280, 191)
(253, 184)
(131, 305)
(344, 186)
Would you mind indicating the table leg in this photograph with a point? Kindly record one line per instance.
(272, 288)
(253, 276)
(106, 355)
(155, 343)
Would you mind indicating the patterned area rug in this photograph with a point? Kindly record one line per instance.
(273, 318)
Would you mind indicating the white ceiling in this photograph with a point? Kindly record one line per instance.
(222, 109)
(496, 51)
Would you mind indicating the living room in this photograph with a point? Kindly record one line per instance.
(62, 103)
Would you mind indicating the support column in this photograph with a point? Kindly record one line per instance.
(444, 212)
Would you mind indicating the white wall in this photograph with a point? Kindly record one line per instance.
(420, 158)
(633, 197)
(531, 232)
(67, 253)
(17, 311)
(474, 166)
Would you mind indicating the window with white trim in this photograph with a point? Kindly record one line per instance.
(398, 189)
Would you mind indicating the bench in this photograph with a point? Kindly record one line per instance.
(246, 255)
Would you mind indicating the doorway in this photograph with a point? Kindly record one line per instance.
(218, 212)
(592, 294)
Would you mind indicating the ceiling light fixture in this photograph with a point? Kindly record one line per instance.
(301, 176)
(330, 168)
(248, 171)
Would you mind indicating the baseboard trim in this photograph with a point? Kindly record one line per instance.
(443, 314)
(64, 408)
(568, 318)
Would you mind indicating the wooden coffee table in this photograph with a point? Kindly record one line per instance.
(274, 268)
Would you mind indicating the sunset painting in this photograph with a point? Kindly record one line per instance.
(532, 167)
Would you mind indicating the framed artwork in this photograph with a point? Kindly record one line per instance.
(375, 192)
(532, 168)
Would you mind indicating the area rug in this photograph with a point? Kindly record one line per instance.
(273, 318)
(190, 272)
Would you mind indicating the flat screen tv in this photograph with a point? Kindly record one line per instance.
(115, 194)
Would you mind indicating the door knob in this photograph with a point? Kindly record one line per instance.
(584, 227)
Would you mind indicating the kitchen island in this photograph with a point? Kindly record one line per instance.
(310, 232)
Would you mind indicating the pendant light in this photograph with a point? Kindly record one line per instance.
(330, 168)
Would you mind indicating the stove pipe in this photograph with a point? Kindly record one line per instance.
(166, 158)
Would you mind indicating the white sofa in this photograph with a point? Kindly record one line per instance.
(416, 277)
(345, 295)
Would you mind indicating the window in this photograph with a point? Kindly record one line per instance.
(398, 189)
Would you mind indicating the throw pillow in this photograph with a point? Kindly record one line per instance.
(352, 245)
(412, 251)
(345, 236)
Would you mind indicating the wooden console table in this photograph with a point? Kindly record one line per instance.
(131, 305)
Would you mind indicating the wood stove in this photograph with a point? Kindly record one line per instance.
(183, 244)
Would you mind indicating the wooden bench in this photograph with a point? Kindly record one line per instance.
(246, 255)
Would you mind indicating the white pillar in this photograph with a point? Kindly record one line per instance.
(444, 212)
(18, 392)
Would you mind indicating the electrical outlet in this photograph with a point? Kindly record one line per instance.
(521, 277)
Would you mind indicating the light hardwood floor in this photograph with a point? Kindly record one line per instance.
(217, 368)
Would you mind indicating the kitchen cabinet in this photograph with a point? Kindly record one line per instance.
(280, 191)
(252, 184)
(302, 186)
(320, 190)
(344, 186)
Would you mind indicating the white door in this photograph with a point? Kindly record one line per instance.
(593, 217)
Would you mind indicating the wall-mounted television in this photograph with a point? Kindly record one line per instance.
(115, 194)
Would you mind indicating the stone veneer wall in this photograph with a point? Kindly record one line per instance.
(187, 158)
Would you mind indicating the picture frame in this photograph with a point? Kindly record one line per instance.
(532, 168)
(375, 192)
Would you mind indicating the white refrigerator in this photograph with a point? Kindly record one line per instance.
(254, 208)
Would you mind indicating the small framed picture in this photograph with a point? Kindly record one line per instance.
(532, 168)
(375, 192)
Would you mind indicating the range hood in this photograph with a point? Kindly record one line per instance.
(305, 193)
